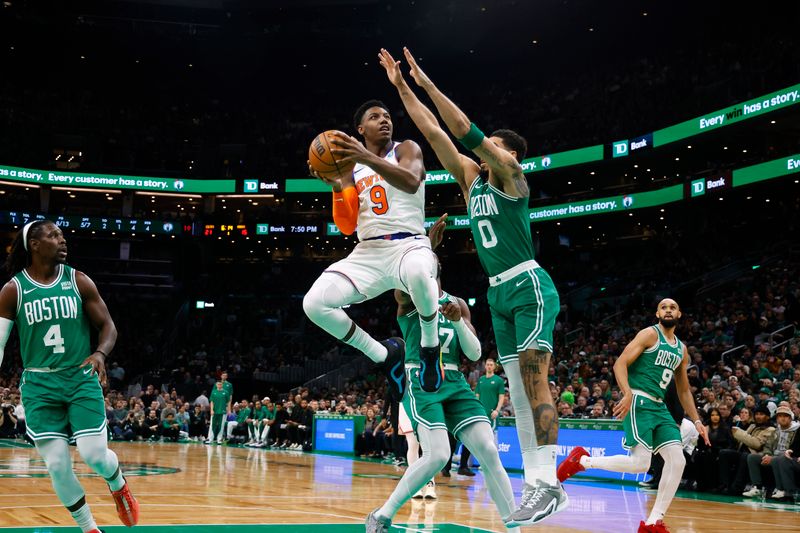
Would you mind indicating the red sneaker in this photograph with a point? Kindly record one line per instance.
(658, 527)
(127, 506)
(572, 464)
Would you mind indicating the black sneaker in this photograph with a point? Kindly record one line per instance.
(465, 472)
(431, 371)
(394, 367)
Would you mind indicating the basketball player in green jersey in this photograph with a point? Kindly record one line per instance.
(643, 372)
(453, 407)
(54, 306)
(491, 391)
(522, 298)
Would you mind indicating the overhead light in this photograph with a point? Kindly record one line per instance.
(168, 194)
(81, 189)
(15, 184)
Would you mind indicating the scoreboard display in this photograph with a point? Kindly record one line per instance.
(102, 224)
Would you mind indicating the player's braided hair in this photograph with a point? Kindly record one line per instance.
(19, 258)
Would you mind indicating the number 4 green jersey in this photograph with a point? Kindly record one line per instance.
(53, 329)
(501, 227)
(653, 369)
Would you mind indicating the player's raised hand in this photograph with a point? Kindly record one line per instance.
(392, 67)
(349, 149)
(623, 406)
(436, 233)
(451, 311)
(419, 76)
(333, 182)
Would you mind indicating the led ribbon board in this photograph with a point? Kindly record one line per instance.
(80, 180)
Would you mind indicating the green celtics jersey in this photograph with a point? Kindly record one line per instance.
(501, 227)
(242, 415)
(53, 329)
(448, 338)
(653, 370)
(220, 398)
(227, 386)
(489, 390)
(260, 414)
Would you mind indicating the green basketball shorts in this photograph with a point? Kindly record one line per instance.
(453, 407)
(63, 404)
(524, 310)
(649, 423)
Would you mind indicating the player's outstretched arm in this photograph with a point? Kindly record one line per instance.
(462, 168)
(503, 163)
(685, 396)
(643, 340)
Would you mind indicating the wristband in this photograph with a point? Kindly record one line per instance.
(102, 352)
(698, 420)
(473, 138)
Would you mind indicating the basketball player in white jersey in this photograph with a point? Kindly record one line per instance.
(386, 203)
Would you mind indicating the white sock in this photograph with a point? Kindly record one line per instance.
(636, 463)
(429, 331)
(83, 517)
(524, 421)
(545, 469)
(674, 462)
(363, 341)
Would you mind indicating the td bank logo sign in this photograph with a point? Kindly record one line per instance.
(251, 186)
(619, 148)
(698, 187)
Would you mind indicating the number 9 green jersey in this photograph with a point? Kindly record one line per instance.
(653, 369)
(53, 329)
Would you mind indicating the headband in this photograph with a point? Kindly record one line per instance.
(25, 230)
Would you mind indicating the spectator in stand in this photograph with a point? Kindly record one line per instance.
(758, 463)
(183, 418)
(707, 459)
(149, 395)
(733, 463)
(365, 442)
(278, 425)
(202, 401)
(597, 411)
(198, 421)
(151, 426)
(8, 422)
(786, 470)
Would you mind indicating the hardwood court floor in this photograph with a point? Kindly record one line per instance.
(191, 488)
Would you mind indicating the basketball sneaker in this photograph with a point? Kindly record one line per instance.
(420, 493)
(538, 502)
(394, 367)
(658, 527)
(127, 506)
(377, 525)
(431, 371)
(572, 464)
(430, 490)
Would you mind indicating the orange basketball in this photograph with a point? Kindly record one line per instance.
(323, 161)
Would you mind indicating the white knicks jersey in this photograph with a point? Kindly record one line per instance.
(384, 209)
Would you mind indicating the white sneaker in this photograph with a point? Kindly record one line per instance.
(778, 494)
(418, 496)
(754, 492)
(430, 490)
